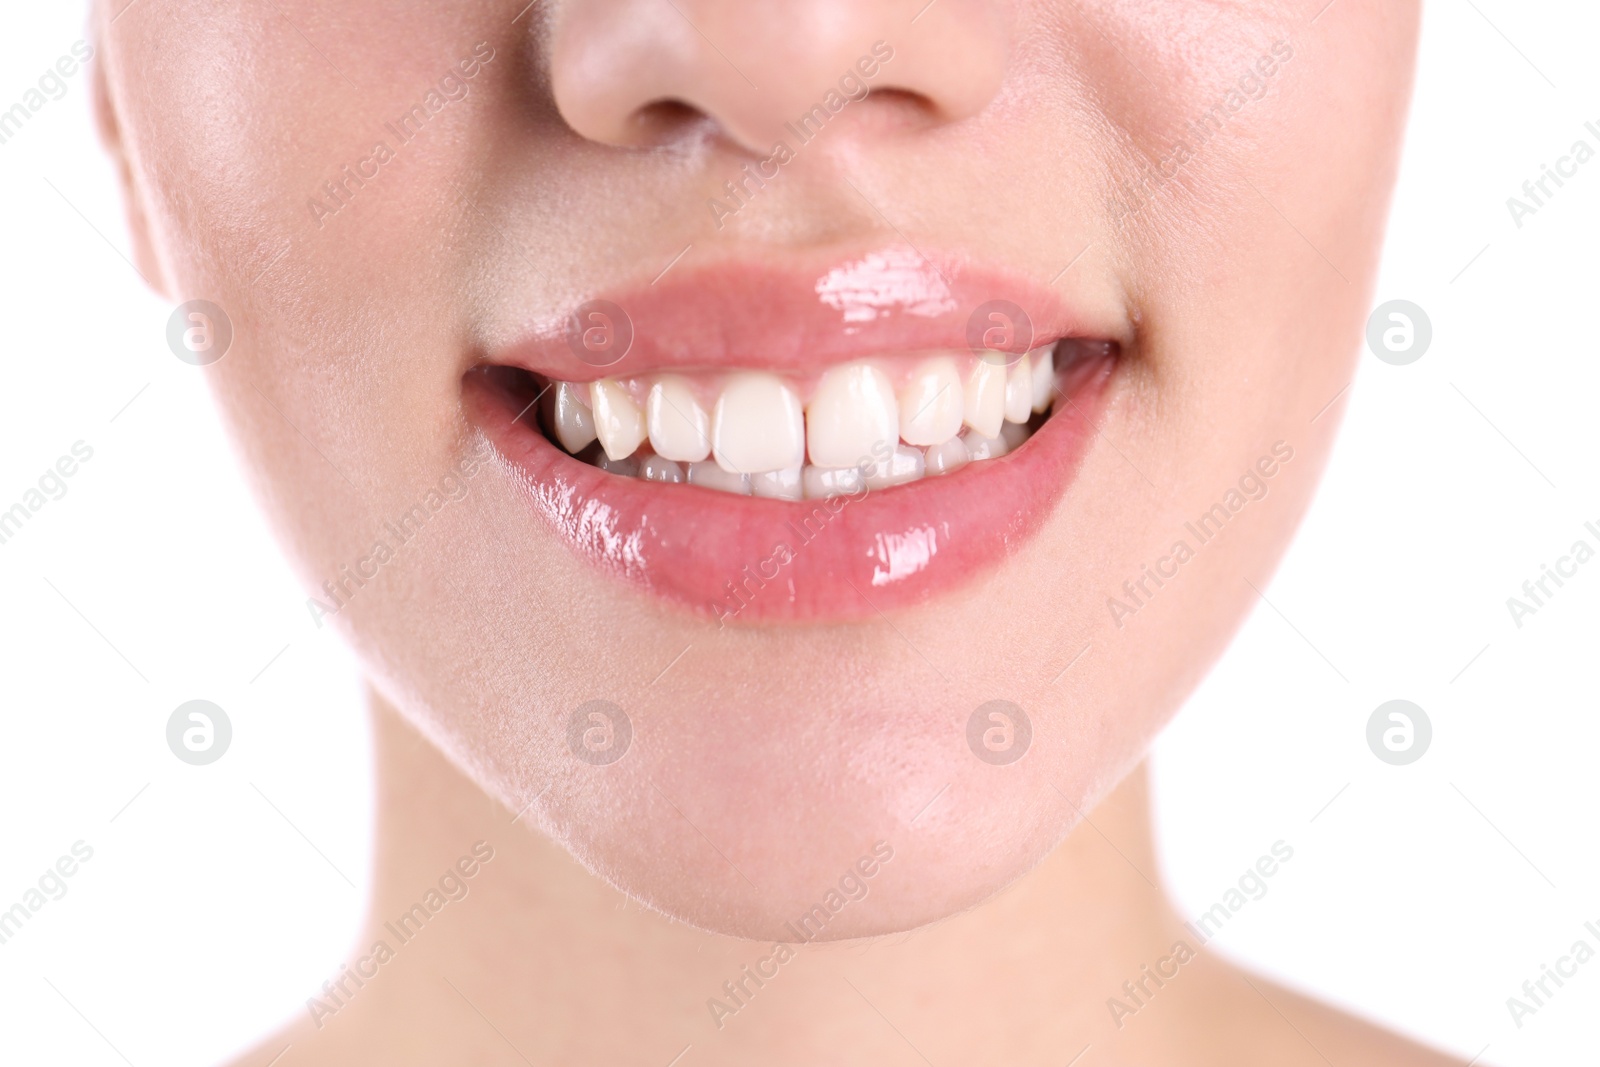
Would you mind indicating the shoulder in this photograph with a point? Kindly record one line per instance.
(1253, 1021)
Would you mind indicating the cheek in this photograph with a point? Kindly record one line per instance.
(289, 134)
(266, 195)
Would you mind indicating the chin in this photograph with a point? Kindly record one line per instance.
(839, 826)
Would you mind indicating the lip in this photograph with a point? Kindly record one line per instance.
(802, 316)
(742, 560)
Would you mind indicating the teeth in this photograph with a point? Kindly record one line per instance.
(905, 465)
(779, 485)
(617, 419)
(980, 446)
(758, 425)
(679, 429)
(986, 397)
(948, 457)
(1044, 379)
(931, 404)
(659, 469)
(823, 482)
(1019, 391)
(708, 474)
(852, 410)
(856, 433)
(568, 416)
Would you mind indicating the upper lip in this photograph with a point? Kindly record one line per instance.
(806, 312)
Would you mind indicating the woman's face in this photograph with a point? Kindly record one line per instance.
(823, 219)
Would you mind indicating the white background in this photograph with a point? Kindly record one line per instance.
(1421, 896)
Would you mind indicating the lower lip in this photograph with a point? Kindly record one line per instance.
(740, 560)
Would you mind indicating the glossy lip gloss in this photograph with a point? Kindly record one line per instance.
(746, 560)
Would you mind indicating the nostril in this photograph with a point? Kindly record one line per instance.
(664, 121)
(904, 98)
(902, 106)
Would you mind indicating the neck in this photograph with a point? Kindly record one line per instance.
(543, 961)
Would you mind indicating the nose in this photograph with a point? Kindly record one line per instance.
(645, 72)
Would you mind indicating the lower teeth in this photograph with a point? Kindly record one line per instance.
(906, 464)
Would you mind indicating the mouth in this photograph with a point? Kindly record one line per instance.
(755, 448)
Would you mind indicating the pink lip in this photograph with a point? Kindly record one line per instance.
(782, 318)
(745, 559)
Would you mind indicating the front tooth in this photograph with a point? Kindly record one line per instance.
(947, 457)
(778, 485)
(980, 446)
(758, 425)
(708, 474)
(904, 465)
(617, 419)
(1044, 378)
(820, 482)
(1019, 391)
(852, 410)
(570, 419)
(985, 398)
(679, 429)
(931, 406)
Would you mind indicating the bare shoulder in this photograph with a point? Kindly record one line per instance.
(354, 1037)
(1347, 1038)
(404, 1024)
(1256, 1021)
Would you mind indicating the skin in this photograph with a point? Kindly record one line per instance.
(768, 759)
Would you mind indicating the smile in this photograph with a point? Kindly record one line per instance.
(867, 460)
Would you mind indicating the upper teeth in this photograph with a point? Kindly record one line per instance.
(617, 419)
(931, 405)
(679, 429)
(759, 435)
(852, 409)
(572, 419)
(757, 425)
